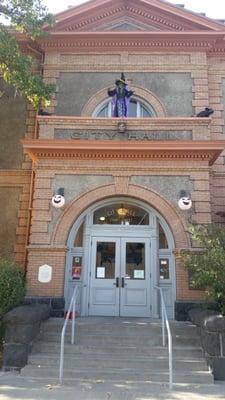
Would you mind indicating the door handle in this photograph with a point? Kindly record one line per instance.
(117, 283)
(123, 282)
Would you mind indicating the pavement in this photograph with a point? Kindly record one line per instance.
(15, 387)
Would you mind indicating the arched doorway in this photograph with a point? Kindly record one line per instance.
(119, 249)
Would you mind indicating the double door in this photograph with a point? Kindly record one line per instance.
(120, 277)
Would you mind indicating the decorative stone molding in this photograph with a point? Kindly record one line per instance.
(141, 93)
(150, 197)
(206, 151)
(162, 15)
(49, 127)
(130, 41)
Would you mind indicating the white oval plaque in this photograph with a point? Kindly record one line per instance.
(45, 273)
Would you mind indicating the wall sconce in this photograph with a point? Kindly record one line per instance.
(184, 201)
(58, 200)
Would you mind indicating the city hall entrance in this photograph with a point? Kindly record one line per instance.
(118, 251)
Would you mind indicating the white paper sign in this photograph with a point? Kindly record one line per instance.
(45, 273)
(139, 274)
(101, 272)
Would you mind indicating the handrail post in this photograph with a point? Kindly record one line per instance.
(164, 318)
(61, 358)
(73, 322)
(170, 362)
(163, 325)
(71, 309)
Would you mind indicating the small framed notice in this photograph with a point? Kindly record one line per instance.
(139, 274)
(100, 272)
(45, 273)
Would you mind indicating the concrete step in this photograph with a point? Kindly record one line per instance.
(122, 374)
(115, 339)
(118, 349)
(53, 348)
(146, 328)
(137, 363)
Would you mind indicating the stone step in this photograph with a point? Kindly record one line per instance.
(120, 375)
(125, 340)
(52, 347)
(133, 364)
(55, 325)
(118, 349)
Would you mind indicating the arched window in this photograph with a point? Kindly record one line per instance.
(121, 214)
(137, 109)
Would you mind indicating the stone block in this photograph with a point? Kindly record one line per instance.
(217, 365)
(182, 308)
(15, 355)
(215, 323)
(198, 316)
(22, 326)
(21, 333)
(57, 313)
(58, 303)
(210, 342)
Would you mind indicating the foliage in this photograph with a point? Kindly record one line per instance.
(207, 265)
(12, 286)
(27, 17)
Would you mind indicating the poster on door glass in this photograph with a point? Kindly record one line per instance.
(139, 274)
(76, 268)
(100, 272)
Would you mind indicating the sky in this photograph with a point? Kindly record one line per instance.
(212, 8)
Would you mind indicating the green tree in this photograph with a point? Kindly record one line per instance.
(206, 265)
(27, 17)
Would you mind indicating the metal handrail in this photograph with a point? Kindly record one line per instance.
(72, 307)
(165, 321)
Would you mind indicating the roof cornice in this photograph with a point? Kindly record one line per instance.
(94, 41)
(204, 151)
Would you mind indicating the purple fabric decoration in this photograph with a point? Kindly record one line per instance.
(120, 99)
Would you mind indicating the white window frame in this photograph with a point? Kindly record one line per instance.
(140, 103)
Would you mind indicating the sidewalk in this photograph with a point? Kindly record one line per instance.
(15, 387)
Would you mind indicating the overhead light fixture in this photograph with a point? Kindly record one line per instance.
(102, 218)
(122, 211)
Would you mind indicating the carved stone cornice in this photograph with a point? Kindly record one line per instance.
(114, 41)
(205, 151)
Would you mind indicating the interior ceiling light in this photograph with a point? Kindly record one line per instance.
(122, 211)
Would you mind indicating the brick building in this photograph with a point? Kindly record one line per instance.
(120, 230)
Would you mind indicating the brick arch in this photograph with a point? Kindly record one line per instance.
(153, 199)
(143, 94)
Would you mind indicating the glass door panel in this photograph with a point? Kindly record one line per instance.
(104, 281)
(135, 278)
(135, 260)
(105, 260)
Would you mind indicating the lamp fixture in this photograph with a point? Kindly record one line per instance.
(184, 201)
(122, 211)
